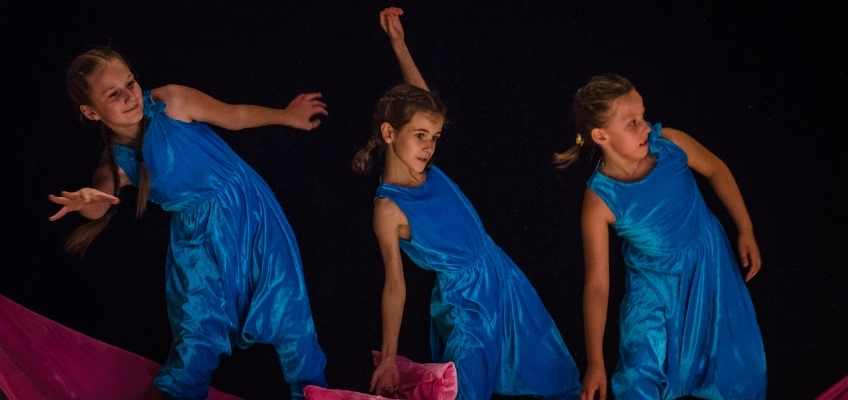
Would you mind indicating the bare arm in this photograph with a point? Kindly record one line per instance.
(595, 221)
(387, 219)
(188, 104)
(721, 179)
(390, 22)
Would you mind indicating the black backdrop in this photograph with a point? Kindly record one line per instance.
(759, 85)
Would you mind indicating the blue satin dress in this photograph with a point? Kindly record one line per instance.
(687, 323)
(233, 269)
(485, 315)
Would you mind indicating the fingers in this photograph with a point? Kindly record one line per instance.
(393, 21)
(756, 264)
(393, 10)
(107, 197)
(310, 96)
(590, 388)
(383, 22)
(61, 213)
(390, 21)
(319, 110)
(743, 255)
(376, 380)
(373, 382)
(58, 200)
(750, 258)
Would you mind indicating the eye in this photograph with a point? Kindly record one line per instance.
(130, 84)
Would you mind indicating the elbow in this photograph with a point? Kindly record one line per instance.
(719, 171)
(394, 289)
(238, 119)
(596, 289)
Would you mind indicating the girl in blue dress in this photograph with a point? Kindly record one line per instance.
(485, 315)
(687, 323)
(233, 270)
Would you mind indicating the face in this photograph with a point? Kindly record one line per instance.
(115, 98)
(626, 132)
(415, 143)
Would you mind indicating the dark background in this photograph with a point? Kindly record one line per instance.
(762, 86)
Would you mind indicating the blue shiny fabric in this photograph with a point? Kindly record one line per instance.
(233, 269)
(485, 315)
(687, 323)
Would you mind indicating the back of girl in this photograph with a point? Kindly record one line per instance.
(485, 315)
(687, 324)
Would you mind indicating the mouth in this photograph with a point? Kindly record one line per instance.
(131, 109)
(424, 160)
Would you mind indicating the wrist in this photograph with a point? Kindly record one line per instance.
(596, 360)
(745, 229)
(388, 357)
(398, 44)
(595, 365)
(284, 117)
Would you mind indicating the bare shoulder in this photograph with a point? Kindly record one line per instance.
(595, 208)
(390, 222)
(673, 134)
(385, 210)
(175, 97)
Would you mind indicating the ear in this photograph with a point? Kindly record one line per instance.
(387, 131)
(89, 112)
(599, 135)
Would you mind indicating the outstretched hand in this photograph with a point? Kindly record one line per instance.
(74, 201)
(386, 378)
(304, 110)
(749, 254)
(390, 22)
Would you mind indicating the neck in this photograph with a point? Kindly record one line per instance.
(125, 134)
(625, 169)
(398, 173)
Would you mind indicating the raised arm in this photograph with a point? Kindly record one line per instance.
(721, 179)
(390, 22)
(90, 202)
(387, 219)
(595, 220)
(188, 104)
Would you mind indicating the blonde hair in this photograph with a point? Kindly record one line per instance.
(78, 90)
(591, 109)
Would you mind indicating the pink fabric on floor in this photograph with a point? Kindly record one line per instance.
(313, 392)
(839, 391)
(417, 382)
(41, 359)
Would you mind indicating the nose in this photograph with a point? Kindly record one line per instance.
(429, 145)
(126, 96)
